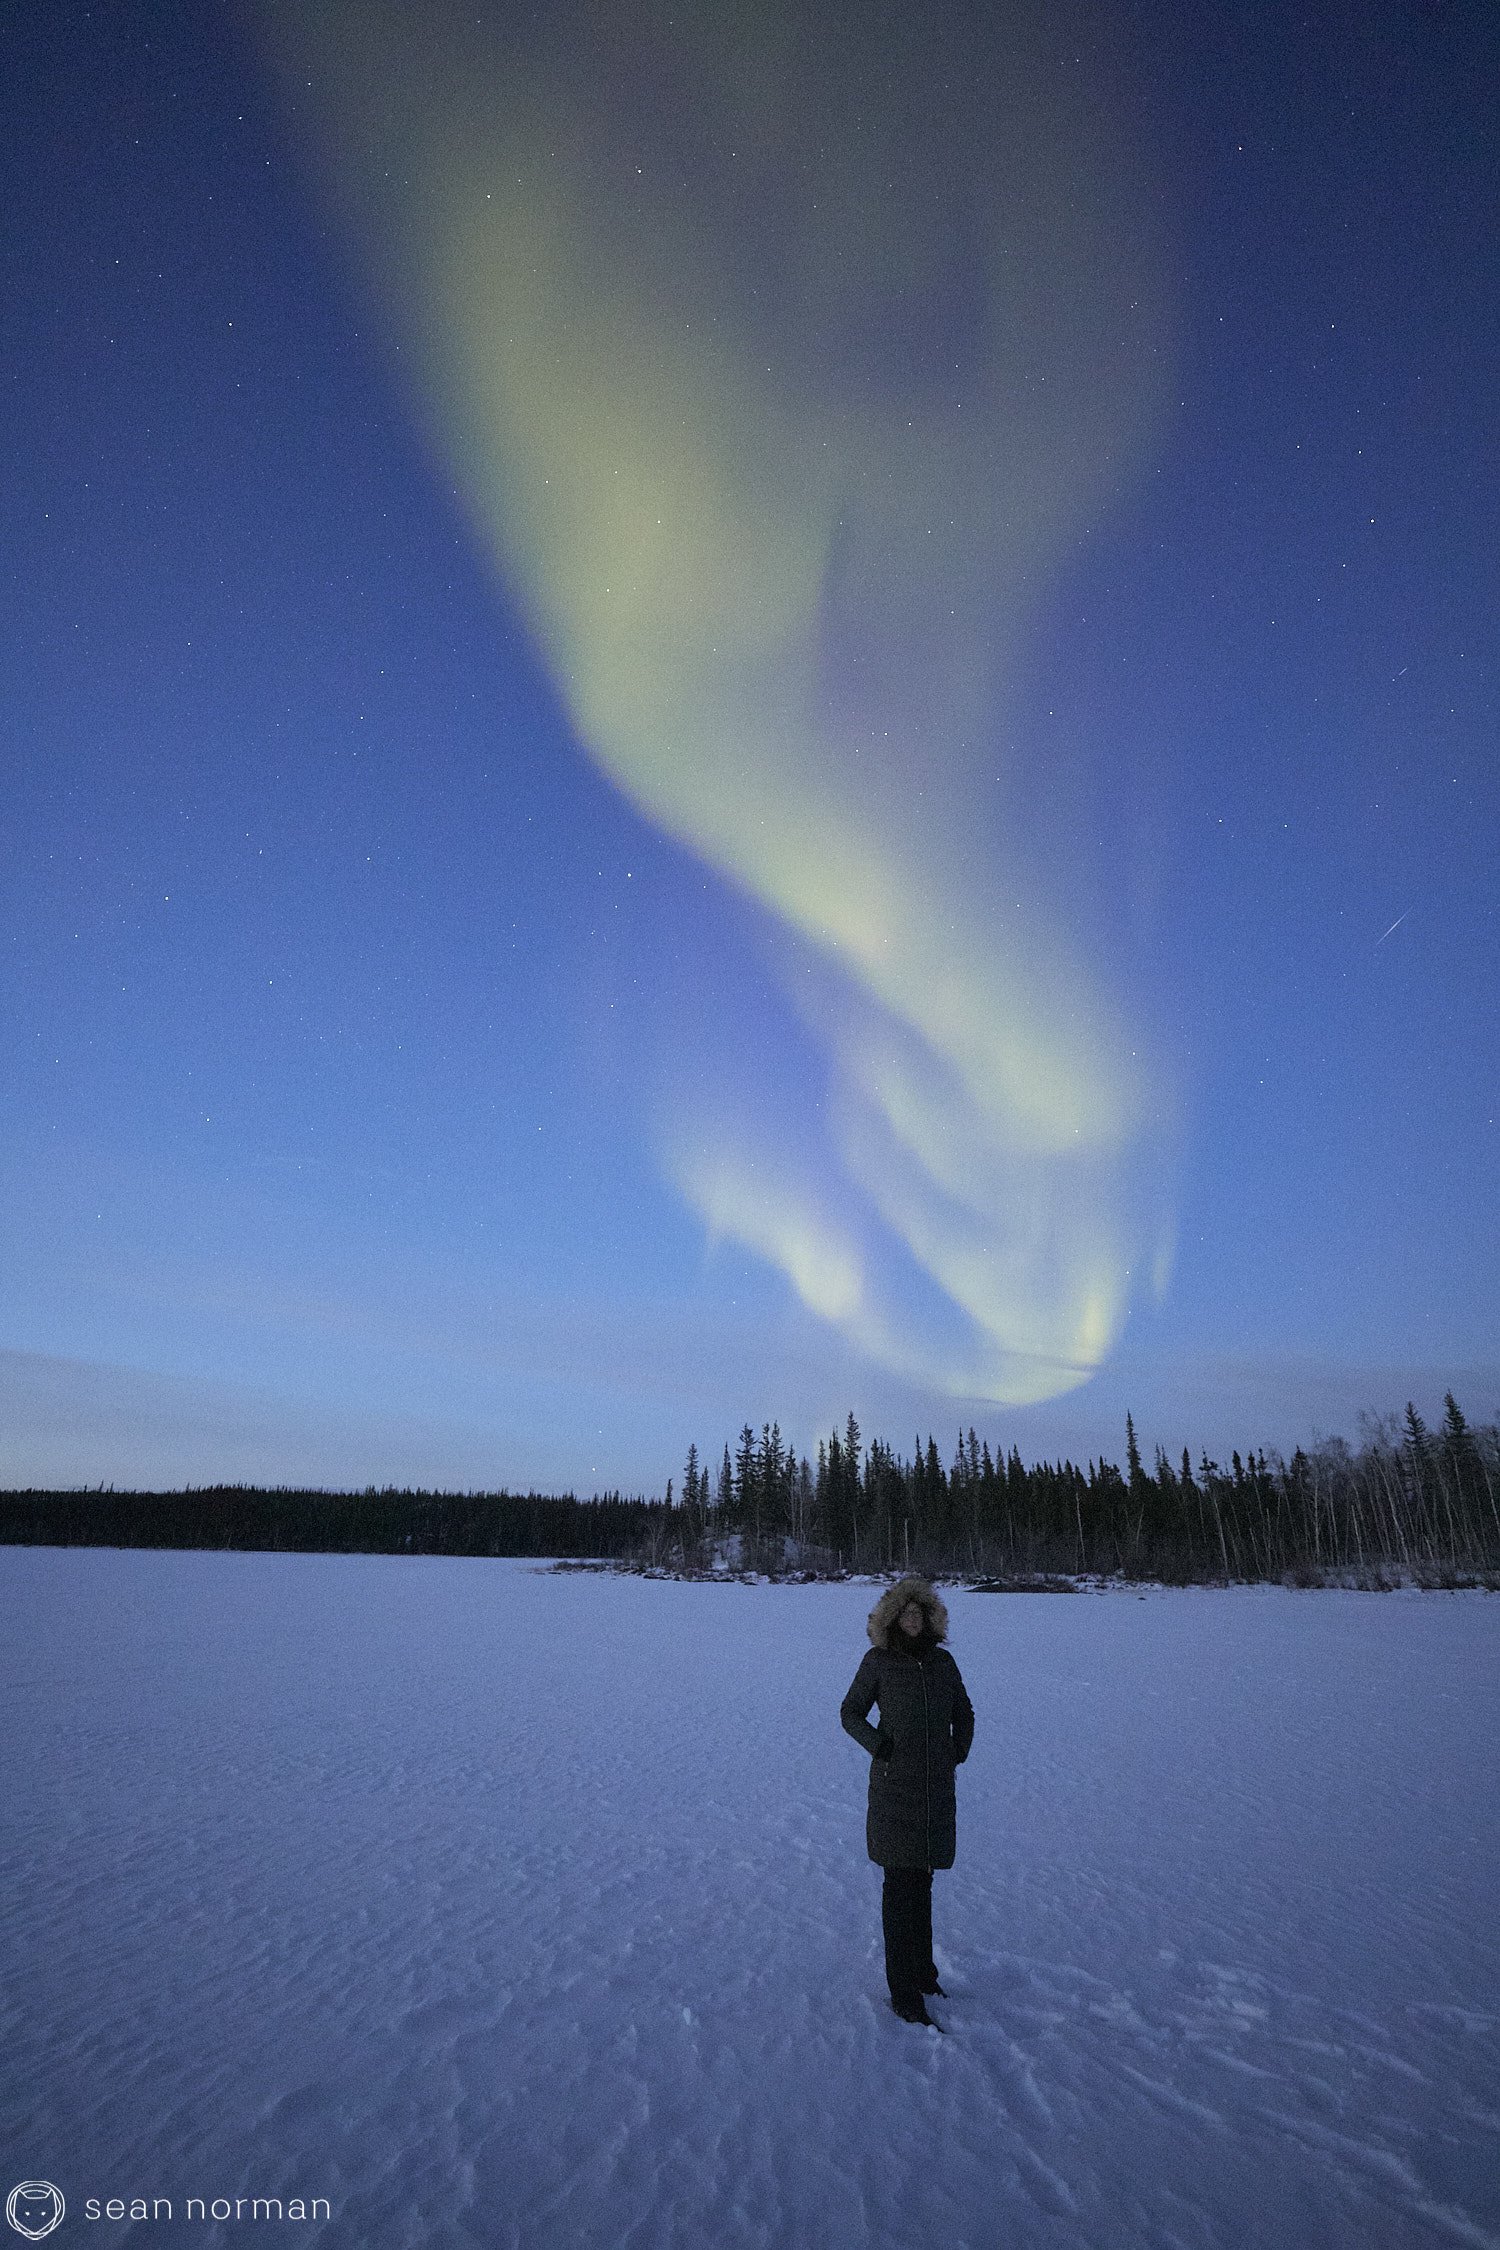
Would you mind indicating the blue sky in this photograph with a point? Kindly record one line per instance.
(355, 1004)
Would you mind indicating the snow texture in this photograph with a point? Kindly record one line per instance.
(506, 1908)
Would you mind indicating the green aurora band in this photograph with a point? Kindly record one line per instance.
(780, 379)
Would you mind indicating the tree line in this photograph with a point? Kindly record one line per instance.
(282, 1519)
(1412, 1501)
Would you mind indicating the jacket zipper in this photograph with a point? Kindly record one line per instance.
(927, 1754)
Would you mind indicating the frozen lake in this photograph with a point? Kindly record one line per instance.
(508, 1908)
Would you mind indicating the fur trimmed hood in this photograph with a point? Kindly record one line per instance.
(895, 1598)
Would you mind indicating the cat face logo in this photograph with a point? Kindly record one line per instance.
(35, 2208)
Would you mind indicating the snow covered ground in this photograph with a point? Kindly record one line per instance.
(503, 1908)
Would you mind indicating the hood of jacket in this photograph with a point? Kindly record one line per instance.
(883, 1628)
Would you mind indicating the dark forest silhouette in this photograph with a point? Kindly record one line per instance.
(1412, 1503)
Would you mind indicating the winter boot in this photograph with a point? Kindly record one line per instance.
(911, 2008)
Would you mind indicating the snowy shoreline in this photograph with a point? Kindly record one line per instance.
(1394, 1580)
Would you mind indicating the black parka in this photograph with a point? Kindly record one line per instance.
(926, 1716)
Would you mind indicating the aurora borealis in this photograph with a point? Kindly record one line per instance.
(845, 672)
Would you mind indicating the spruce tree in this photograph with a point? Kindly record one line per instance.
(1461, 1452)
(1138, 1478)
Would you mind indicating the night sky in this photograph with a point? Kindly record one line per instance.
(727, 714)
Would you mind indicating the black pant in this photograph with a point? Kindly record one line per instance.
(906, 1917)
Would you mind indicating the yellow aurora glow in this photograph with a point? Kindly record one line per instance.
(779, 379)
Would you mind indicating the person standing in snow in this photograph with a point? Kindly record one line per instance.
(926, 1731)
